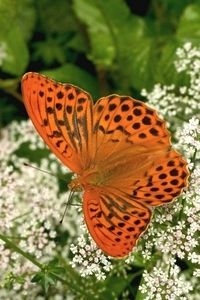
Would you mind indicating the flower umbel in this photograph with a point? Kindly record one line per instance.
(174, 231)
(88, 258)
(30, 210)
(165, 281)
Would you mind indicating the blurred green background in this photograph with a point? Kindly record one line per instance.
(111, 46)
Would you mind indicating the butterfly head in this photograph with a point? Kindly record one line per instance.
(75, 185)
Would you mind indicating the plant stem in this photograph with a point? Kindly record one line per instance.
(13, 246)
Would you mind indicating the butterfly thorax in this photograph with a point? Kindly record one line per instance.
(105, 174)
(89, 177)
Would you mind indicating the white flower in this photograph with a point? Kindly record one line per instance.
(164, 282)
(30, 207)
(175, 229)
(88, 258)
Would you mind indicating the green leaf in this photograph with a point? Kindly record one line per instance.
(118, 41)
(72, 74)
(8, 14)
(12, 279)
(78, 43)
(143, 64)
(102, 48)
(45, 279)
(49, 51)
(188, 28)
(140, 295)
(25, 17)
(166, 72)
(56, 16)
(16, 26)
(17, 56)
(19, 14)
(114, 286)
(134, 49)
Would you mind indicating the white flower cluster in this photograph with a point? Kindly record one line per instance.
(188, 137)
(168, 233)
(30, 210)
(183, 104)
(165, 281)
(89, 259)
(175, 229)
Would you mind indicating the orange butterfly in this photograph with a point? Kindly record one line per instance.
(120, 150)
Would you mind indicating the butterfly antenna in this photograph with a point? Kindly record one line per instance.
(67, 205)
(44, 171)
(49, 173)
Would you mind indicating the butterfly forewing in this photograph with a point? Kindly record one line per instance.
(62, 114)
(125, 127)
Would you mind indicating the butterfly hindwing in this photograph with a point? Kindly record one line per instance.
(114, 220)
(164, 180)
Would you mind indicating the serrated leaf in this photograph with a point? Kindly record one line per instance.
(45, 278)
(49, 51)
(36, 278)
(77, 43)
(102, 50)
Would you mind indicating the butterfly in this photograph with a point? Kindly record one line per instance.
(120, 150)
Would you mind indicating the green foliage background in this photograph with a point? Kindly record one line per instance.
(102, 46)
